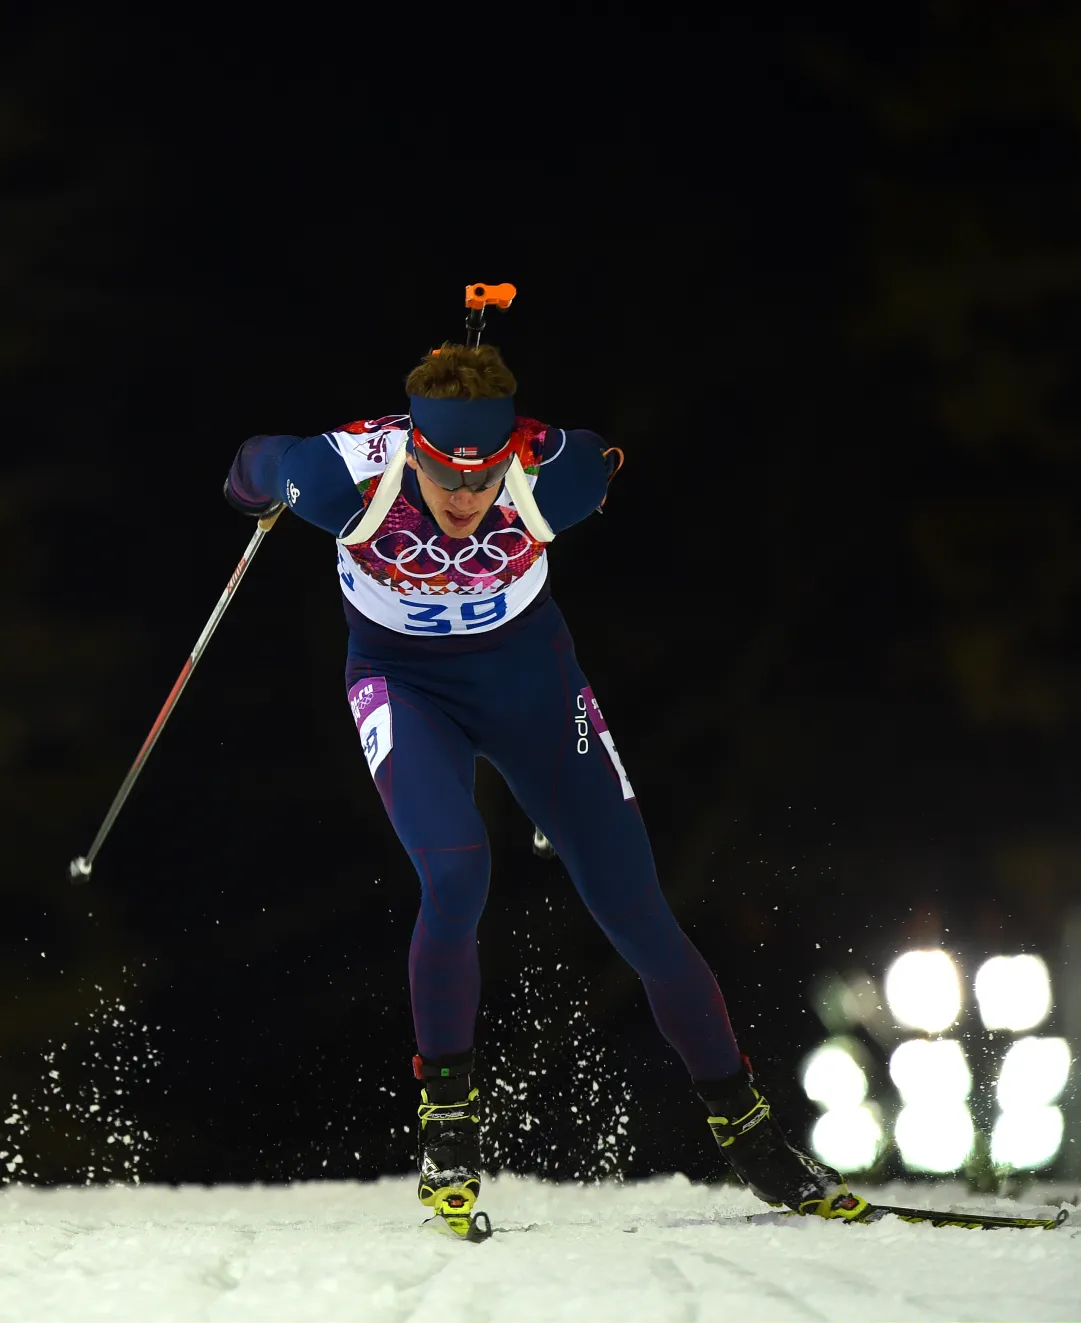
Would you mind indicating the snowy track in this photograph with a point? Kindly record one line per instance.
(655, 1252)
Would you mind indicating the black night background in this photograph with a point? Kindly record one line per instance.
(818, 275)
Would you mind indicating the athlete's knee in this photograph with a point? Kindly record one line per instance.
(647, 936)
(454, 887)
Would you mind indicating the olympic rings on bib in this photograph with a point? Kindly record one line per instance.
(498, 557)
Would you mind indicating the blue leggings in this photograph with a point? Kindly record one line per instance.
(523, 703)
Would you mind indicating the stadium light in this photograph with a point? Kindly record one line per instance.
(934, 1136)
(1027, 1137)
(848, 1138)
(934, 1129)
(848, 1134)
(931, 1071)
(1033, 1074)
(923, 990)
(832, 1077)
(1013, 992)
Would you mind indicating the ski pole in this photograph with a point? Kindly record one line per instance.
(79, 868)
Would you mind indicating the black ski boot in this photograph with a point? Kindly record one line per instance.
(448, 1153)
(755, 1146)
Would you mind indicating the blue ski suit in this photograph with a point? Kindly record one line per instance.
(457, 651)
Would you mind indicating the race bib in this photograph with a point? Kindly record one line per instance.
(369, 702)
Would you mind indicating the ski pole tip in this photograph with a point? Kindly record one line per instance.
(79, 870)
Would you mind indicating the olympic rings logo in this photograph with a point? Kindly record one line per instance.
(498, 557)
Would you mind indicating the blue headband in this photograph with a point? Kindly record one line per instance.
(458, 424)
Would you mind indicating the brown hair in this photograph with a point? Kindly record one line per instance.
(457, 373)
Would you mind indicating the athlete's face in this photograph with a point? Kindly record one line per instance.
(458, 513)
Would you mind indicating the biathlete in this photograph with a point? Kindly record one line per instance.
(441, 518)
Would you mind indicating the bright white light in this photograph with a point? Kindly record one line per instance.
(1014, 992)
(848, 1138)
(1034, 1072)
(831, 1077)
(923, 990)
(934, 1136)
(929, 1072)
(1027, 1137)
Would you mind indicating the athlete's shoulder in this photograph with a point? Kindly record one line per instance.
(369, 444)
(571, 475)
(535, 441)
(370, 437)
(550, 441)
(389, 422)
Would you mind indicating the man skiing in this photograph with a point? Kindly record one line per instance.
(442, 517)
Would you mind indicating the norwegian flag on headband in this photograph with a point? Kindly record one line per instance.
(464, 452)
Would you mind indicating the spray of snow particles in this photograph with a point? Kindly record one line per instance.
(80, 1105)
(557, 1105)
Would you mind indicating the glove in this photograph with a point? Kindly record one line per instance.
(256, 511)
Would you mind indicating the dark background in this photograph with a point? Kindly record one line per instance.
(816, 273)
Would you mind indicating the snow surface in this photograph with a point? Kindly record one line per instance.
(661, 1251)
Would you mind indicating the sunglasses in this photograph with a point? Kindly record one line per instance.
(453, 472)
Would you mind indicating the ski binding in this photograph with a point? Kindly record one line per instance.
(472, 1227)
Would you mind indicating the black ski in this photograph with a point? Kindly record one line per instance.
(971, 1221)
(478, 1228)
(968, 1221)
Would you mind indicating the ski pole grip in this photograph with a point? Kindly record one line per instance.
(268, 521)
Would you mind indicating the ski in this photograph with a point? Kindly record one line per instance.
(967, 1221)
(970, 1221)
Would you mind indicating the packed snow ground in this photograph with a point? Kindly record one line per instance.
(661, 1251)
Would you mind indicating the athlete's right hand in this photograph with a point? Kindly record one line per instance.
(257, 511)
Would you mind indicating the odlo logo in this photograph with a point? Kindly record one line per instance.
(582, 726)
